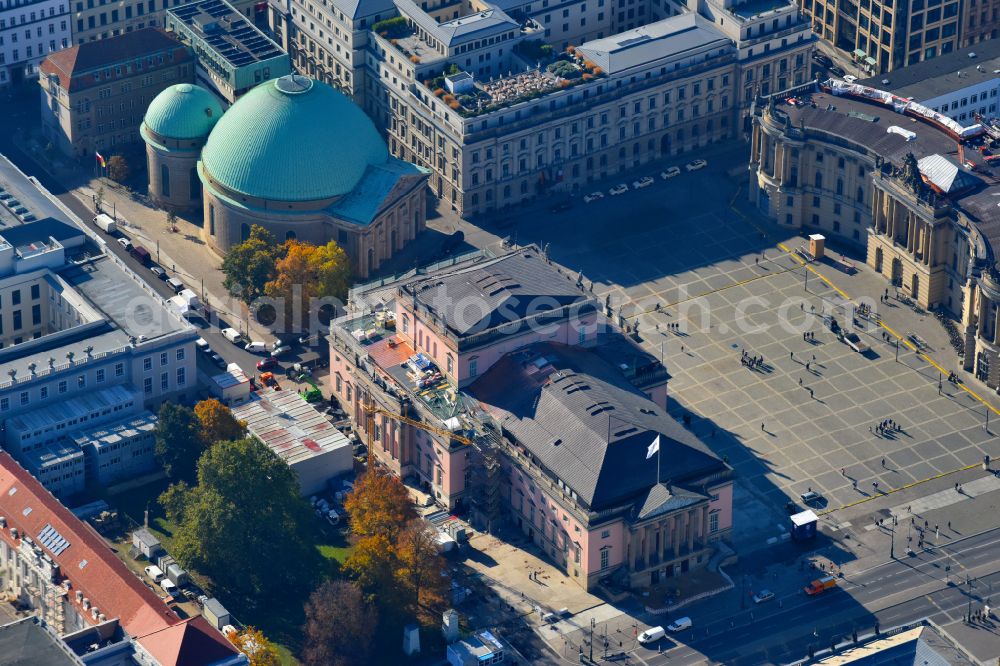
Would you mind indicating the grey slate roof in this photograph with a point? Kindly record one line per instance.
(663, 499)
(506, 289)
(675, 36)
(939, 76)
(590, 428)
(484, 23)
(27, 642)
(355, 9)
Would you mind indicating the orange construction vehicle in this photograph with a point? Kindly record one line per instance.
(820, 585)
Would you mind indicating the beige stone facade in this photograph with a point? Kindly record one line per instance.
(94, 95)
(229, 215)
(932, 239)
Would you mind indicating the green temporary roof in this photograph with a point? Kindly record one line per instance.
(183, 111)
(859, 53)
(293, 139)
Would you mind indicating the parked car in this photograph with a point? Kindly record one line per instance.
(168, 586)
(232, 335)
(680, 624)
(256, 347)
(175, 284)
(810, 496)
(854, 341)
(141, 255)
(836, 71)
(561, 206)
(125, 243)
(593, 196)
(670, 173)
(621, 188)
(822, 59)
(763, 596)
(155, 573)
(645, 181)
(267, 364)
(695, 165)
(158, 272)
(280, 351)
(850, 78)
(202, 344)
(218, 360)
(652, 635)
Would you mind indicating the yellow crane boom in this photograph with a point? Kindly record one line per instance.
(417, 424)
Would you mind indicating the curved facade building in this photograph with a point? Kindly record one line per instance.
(175, 128)
(864, 167)
(294, 156)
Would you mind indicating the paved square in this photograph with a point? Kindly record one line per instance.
(731, 288)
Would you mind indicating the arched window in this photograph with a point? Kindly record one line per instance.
(861, 194)
(165, 180)
(244, 231)
(819, 180)
(211, 219)
(840, 186)
(371, 259)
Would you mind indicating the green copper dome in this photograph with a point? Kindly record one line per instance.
(293, 139)
(183, 111)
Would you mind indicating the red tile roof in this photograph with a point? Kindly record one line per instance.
(87, 561)
(390, 351)
(75, 65)
(193, 642)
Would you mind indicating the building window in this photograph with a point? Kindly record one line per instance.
(180, 354)
(605, 534)
(713, 523)
(147, 363)
(165, 180)
(100, 375)
(604, 558)
(147, 385)
(163, 358)
(81, 381)
(473, 367)
(181, 377)
(62, 386)
(164, 381)
(119, 369)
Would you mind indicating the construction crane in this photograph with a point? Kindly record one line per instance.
(372, 411)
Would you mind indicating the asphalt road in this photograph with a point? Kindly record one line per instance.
(897, 592)
(21, 113)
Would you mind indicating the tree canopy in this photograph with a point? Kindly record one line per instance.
(249, 265)
(379, 505)
(217, 422)
(178, 441)
(340, 626)
(307, 271)
(244, 524)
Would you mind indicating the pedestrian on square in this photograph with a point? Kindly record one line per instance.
(843, 472)
(854, 482)
(807, 365)
(800, 381)
(814, 358)
(883, 462)
(762, 426)
(811, 392)
(949, 524)
(791, 356)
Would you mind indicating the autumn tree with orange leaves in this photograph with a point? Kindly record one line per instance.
(306, 271)
(217, 422)
(253, 643)
(395, 561)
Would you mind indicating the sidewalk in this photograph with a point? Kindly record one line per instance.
(149, 225)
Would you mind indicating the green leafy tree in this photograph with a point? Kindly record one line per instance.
(118, 168)
(250, 265)
(178, 441)
(340, 626)
(244, 525)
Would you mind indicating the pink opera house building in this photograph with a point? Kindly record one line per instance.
(561, 408)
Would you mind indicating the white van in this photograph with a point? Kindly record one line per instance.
(651, 635)
(155, 573)
(105, 223)
(256, 347)
(168, 586)
(232, 335)
(680, 624)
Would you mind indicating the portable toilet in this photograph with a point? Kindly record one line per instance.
(804, 525)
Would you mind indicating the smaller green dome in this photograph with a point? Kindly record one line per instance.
(183, 111)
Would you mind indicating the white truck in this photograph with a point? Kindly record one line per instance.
(105, 223)
(185, 303)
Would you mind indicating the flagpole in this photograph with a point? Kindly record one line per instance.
(658, 449)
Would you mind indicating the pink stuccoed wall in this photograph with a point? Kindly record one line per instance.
(724, 505)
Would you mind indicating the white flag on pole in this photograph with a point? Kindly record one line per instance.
(653, 448)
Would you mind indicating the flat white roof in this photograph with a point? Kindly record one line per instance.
(804, 518)
(290, 426)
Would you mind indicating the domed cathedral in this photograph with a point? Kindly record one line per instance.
(294, 156)
(176, 127)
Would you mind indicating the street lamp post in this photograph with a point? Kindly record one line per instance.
(892, 540)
